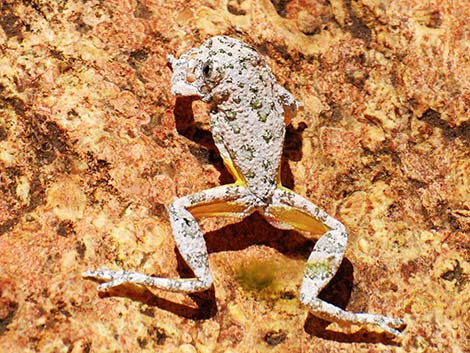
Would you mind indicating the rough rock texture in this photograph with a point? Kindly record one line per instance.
(93, 148)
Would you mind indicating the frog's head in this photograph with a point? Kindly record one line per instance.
(209, 71)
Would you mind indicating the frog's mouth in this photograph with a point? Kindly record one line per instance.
(181, 88)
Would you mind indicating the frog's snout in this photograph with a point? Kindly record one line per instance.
(183, 81)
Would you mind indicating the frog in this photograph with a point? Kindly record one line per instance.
(249, 112)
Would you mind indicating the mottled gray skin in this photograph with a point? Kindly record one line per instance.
(248, 110)
(247, 107)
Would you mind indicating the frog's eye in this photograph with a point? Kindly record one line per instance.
(207, 69)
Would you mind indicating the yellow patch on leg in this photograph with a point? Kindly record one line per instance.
(298, 219)
(218, 208)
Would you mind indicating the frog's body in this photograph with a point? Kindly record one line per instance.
(249, 111)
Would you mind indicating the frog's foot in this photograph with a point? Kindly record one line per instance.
(334, 314)
(103, 273)
(388, 324)
(117, 278)
(113, 278)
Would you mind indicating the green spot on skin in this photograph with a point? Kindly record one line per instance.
(250, 151)
(235, 128)
(262, 117)
(265, 179)
(266, 164)
(317, 269)
(237, 100)
(250, 174)
(268, 136)
(231, 115)
(256, 103)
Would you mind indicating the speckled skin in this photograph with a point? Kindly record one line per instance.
(249, 110)
(247, 107)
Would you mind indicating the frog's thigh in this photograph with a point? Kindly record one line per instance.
(233, 200)
(222, 201)
(290, 209)
(288, 217)
(291, 215)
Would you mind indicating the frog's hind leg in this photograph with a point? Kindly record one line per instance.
(233, 200)
(290, 210)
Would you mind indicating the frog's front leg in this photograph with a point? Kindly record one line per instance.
(233, 200)
(290, 105)
(289, 209)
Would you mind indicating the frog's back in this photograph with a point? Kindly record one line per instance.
(247, 114)
(248, 119)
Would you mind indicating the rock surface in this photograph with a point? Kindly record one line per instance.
(93, 149)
